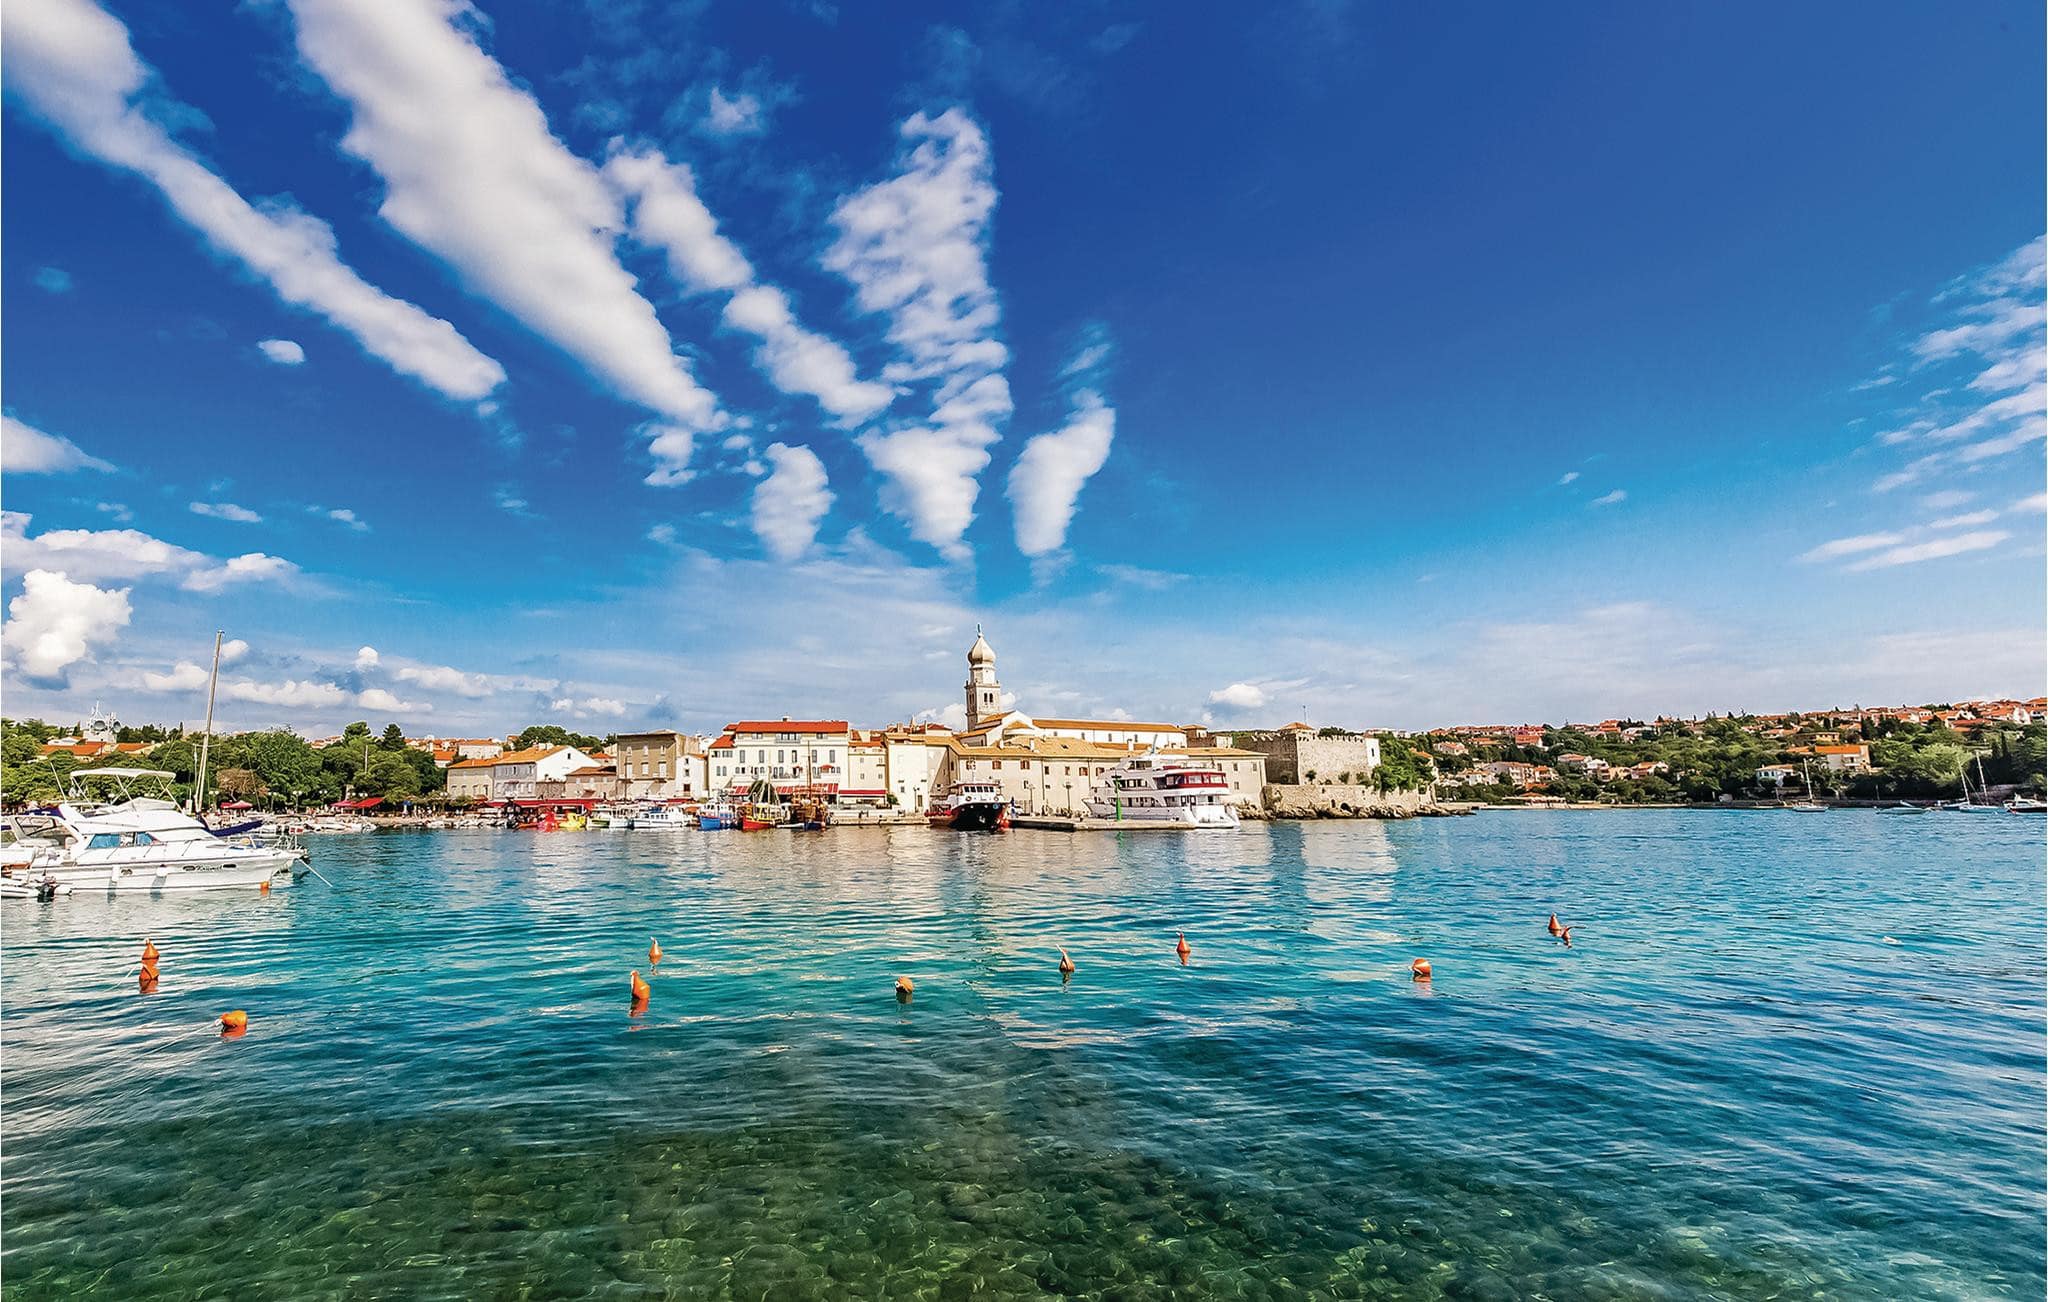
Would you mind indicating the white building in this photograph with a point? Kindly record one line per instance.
(794, 754)
(515, 775)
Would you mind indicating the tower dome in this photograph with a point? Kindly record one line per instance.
(981, 653)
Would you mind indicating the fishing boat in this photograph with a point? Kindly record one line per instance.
(1155, 788)
(716, 817)
(138, 843)
(972, 807)
(2026, 805)
(763, 809)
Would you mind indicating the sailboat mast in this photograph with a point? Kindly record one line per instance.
(206, 739)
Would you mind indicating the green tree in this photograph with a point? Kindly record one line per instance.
(391, 776)
(393, 738)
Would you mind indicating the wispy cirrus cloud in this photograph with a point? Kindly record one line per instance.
(72, 64)
(1992, 358)
(225, 511)
(1933, 549)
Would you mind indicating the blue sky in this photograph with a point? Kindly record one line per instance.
(634, 365)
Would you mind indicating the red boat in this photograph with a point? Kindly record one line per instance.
(972, 807)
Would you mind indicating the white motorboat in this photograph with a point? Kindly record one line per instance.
(139, 843)
(1155, 788)
(663, 816)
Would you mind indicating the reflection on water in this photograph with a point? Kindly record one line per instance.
(1731, 1085)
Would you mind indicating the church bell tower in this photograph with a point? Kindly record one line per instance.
(984, 693)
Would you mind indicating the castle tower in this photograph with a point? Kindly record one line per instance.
(984, 693)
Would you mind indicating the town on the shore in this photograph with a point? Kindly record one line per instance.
(1044, 765)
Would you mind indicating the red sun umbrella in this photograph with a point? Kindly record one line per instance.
(238, 804)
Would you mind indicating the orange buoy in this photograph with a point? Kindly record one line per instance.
(1554, 930)
(1566, 936)
(146, 983)
(234, 1023)
(640, 989)
(263, 887)
(148, 970)
(1182, 948)
(1066, 964)
(654, 952)
(904, 987)
(149, 950)
(1420, 969)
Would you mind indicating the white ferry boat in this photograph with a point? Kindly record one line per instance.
(139, 843)
(1152, 788)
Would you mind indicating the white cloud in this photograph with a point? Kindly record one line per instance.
(232, 650)
(98, 554)
(55, 623)
(184, 677)
(1140, 577)
(249, 567)
(1046, 482)
(71, 63)
(1610, 499)
(588, 707)
(1933, 549)
(669, 215)
(790, 502)
(376, 698)
(738, 116)
(26, 450)
(1946, 500)
(1239, 696)
(802, 361)
(1995, 332)
(53, 280)
(1963, 521)
(117, 510)
(225, 511)
(292, 692)
(282, 351)
(2035, 504)
(1568, 477)
(342, 515)
(914, 247)
(442, 678)
(473, 175)
(367, 657)
(671, 446)
(1868, 542)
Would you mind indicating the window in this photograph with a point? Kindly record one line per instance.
(663, 769)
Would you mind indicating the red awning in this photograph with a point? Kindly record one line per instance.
(367, 802)
(238, 804)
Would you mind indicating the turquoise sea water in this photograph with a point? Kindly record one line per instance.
(1786, 1056)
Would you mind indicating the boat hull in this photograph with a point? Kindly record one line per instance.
(1191, 816)
(976, 818)
(242, 872)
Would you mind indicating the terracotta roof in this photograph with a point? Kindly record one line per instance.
(1108, 725)
(789, 725)
(473, 763)
(723, 743)
(1839, 750)
(592, 771)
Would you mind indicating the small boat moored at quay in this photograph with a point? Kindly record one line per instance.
(1153, 788)
(2026, 805)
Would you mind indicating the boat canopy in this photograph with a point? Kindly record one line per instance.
(122, 773)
